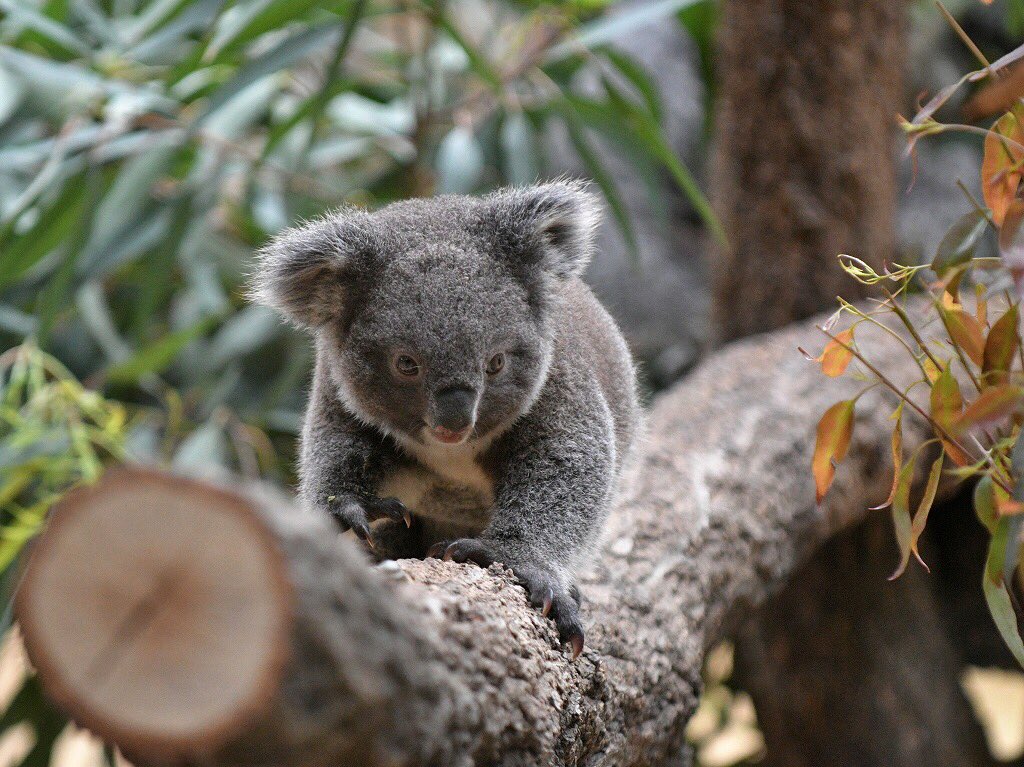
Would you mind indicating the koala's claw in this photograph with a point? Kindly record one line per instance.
(356, 515)
(562, 605)
(388, 508)
(576, 640)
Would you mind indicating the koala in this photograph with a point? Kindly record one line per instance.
(471, 399)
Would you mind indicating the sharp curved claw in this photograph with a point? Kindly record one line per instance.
(406, 516)
(362, 533)
(449, 552)
(437, 550)
(548, 601)
(576, 640)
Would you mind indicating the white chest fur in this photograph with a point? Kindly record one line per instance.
(448, 484)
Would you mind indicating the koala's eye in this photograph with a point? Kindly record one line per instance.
(406, 366)
(495, 364)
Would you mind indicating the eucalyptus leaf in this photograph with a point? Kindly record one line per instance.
(616, 25)
(519, 150)
(289, 51)
(204, 452)
(155, 357)
(959, 243)
(459, 162)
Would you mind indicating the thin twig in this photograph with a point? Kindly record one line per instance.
(964, 36)
(939, 428)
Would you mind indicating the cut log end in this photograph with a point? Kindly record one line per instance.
(157, 611)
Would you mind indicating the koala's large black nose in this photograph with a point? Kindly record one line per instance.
(453, 408)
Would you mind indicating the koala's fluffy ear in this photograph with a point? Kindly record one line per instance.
(301, 272)
(549, 225)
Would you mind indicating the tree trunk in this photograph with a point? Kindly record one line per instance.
(806, 140)
(430, 662)
(846, 667)
(843, 666)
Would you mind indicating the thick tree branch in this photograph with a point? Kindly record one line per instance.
(430, 662)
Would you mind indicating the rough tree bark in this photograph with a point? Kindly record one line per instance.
(843, 666)
(804, 169)
(451, 666)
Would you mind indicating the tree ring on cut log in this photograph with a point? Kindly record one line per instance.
(133, 603)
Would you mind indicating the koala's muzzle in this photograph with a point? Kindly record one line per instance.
(454, 413)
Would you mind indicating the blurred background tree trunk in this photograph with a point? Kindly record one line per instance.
(843, 666)
(809, 90)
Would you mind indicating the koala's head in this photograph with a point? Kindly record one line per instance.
(434, 318)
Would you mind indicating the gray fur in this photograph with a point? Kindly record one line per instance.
(449, 282)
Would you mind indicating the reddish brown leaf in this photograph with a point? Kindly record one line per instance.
(999, 174)
(947, 404)
(966, 332)
(1011, 238)
(992, 405)
(1000, 348)
(997, 96)
(835, 429)
(1005, 505)
(897, 457)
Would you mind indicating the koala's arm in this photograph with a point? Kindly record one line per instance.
(341, 462)
(555, 476)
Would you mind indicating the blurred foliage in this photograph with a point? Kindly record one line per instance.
(968, 351)
(53, 434)
(147, 147)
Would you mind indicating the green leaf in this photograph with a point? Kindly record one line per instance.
(246, 22)
(519, 150)
(634, 129)
(477, 60)
(31, 705)
(130, 194)
(289, 51)
(639, 79)
(701, 20)
(604, 181)
(155, 357)
(459, 162)
(997, 596)
(53, 227)
(958, 245)
(615, 26)
(985, 503)
(24, 15)
(901, 520)
(54, 296)
(204, 452)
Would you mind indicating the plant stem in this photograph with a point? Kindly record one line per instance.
(909, 325)
(939, 428)
(964, 36)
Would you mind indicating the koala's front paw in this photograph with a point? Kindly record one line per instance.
(544, 588)
(356, 514)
